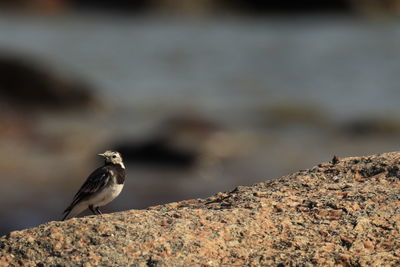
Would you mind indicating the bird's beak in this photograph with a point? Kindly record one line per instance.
(101, 154)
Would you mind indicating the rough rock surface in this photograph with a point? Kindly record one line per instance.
(346, 213)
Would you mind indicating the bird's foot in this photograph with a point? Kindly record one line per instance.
(92, 210)
(98, 211)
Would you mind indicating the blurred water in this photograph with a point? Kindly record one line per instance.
(345, 65)
(229, 69)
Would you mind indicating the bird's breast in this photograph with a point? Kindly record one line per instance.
(115, 190)
(107, 195)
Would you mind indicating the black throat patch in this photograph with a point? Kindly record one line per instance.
(119, 173)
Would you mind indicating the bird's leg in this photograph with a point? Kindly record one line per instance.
(98, 211)
(92, 209)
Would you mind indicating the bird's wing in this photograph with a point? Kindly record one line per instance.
(94, 183)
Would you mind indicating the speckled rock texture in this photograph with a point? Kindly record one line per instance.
(343, 213)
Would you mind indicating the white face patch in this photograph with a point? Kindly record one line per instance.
(113, 157)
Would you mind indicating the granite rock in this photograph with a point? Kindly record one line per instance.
(343, 213)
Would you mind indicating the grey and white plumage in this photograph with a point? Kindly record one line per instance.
(101, 187)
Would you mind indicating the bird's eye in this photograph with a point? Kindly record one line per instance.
(114, 157)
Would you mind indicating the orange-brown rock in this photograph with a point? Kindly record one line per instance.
(333, 214)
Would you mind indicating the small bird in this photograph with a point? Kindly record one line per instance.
(101, 187)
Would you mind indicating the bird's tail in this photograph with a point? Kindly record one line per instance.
(66, 213)
(74, 209)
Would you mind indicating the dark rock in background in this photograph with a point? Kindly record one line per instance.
(156, 152)
(210, 6)
(288, 6)
(178, 142)
(28, 85)
(371, 126)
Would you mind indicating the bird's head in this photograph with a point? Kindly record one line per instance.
(112, 157)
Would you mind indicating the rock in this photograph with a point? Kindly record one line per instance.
(322, 216)
(286, 114)
(36, 6)
(367, 127)
(183, 141)
(27, 85)
(206, 7)
(16, 125)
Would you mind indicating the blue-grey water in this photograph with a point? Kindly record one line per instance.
(346, 65)
(229, 69)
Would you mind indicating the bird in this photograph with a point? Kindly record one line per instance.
(101, 187)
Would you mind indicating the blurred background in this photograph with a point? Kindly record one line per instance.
(198, 96)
